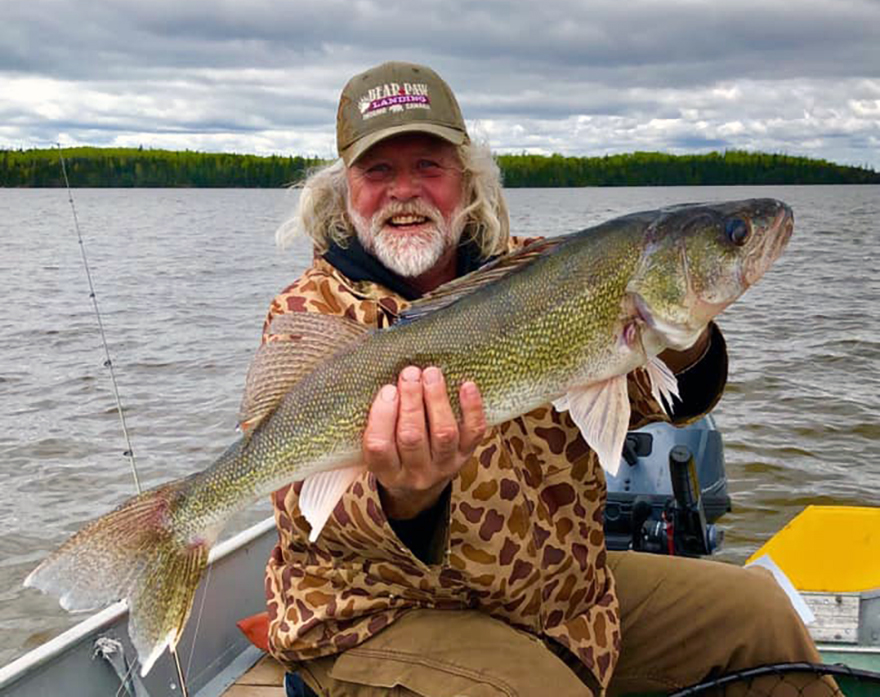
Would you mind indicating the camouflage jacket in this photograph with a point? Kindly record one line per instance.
(523, 540)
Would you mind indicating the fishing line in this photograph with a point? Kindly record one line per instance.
(199, 617)
(123, 683)
(108, 363)
(180, 679)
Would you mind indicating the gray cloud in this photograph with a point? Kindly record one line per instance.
(564, 76)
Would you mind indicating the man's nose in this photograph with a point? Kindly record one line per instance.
(405, 185)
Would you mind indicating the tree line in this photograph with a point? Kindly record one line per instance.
(660, 169)
(138, 167)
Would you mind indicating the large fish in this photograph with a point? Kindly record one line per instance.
(563, 320)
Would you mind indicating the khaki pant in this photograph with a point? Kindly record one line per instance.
(683, 620)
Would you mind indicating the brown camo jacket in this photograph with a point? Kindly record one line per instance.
(524, 540)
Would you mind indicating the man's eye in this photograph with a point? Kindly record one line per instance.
(429, 167)
(377, 172)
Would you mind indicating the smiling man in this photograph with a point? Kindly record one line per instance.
(404, 201)
(468, 560)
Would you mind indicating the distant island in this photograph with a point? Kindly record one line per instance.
(139, 167)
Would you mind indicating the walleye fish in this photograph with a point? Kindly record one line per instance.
(563, 320)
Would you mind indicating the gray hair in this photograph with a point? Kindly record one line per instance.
(321, 212)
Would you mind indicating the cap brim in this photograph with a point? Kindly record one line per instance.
(351, 154)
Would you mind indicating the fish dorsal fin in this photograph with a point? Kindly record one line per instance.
(601, 411)
(300, 341)
(448, 293)
(663, 383)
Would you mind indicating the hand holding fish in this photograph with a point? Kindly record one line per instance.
(413, 443)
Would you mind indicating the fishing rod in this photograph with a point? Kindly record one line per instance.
(108, 363)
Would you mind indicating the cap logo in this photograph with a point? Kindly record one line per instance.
(394, 97)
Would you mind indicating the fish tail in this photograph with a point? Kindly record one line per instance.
(134, 553)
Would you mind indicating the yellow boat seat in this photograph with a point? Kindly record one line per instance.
(829, 549)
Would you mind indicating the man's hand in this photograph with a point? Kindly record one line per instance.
(413, 443)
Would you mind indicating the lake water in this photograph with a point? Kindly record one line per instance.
(184, 278)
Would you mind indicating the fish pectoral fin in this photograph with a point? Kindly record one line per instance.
(561, 404)
(320, 494)
(663, 383)
(448, 293)
(299, 341)
(601, 411)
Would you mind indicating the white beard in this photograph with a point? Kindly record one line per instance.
(407, 253)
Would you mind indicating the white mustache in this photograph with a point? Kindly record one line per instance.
(395, 209)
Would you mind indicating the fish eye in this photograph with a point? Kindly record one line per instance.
(737, 231)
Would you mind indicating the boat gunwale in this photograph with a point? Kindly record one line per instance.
(59, 645)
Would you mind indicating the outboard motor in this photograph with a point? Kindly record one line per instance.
(669, 492)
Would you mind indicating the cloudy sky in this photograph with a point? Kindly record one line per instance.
(578, 77)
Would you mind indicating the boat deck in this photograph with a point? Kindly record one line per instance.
(265, 679)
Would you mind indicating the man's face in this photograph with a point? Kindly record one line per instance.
(404, 197)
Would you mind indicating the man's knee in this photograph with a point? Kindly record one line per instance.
(769, 626)
(441, 654)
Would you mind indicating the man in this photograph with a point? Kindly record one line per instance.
(471, 560)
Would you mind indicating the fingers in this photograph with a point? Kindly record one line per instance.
(442, 424)
(413, 440)
(380, 435)
(413, 445)
(473, 418)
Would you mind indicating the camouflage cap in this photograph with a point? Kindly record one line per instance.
(391, 99)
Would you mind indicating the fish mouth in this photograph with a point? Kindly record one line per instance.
(775, 238)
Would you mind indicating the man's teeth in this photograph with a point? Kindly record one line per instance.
(408, 220)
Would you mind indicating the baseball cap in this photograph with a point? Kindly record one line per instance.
(394, 98)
